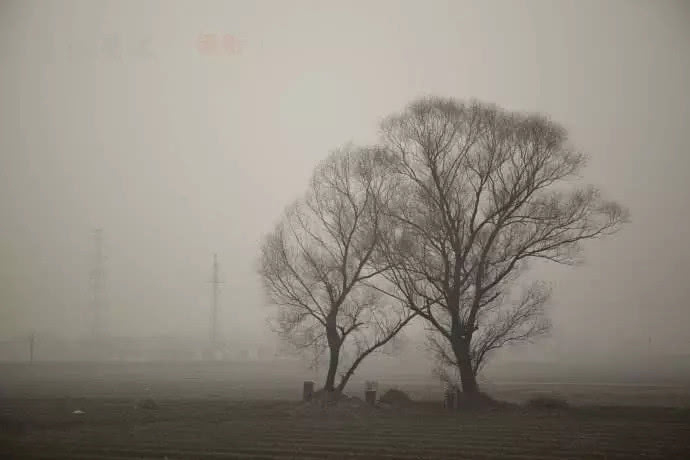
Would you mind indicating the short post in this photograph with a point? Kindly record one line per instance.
(307, 390)
(370, 393)
(450, 396)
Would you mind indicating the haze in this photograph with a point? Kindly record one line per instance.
(114, 116)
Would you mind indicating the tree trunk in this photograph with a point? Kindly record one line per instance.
(346, 378)
(460, 341)
(334, 348)
(332, 369)
(467, 377)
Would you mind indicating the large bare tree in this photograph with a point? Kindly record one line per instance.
(315, 263)
(484, 191)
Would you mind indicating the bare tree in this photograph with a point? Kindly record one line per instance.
(485, 191)
(315, 263)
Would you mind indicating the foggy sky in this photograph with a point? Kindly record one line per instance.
(112, 117)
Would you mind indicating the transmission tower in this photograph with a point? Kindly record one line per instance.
(97, 278)
(215, 284)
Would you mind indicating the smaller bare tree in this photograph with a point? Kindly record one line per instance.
(315, 263)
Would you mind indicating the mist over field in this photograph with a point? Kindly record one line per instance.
(403, 229)
(183, 129)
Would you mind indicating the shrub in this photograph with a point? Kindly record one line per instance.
(395, 397)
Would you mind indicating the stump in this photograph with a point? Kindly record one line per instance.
(450, 398)
(307, 390)
(370, 387)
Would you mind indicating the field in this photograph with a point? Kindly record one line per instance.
(223, 410)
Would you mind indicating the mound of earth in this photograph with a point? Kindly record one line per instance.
(331, 397)
(326, 398)
(547, 403)
(332, 404)
(479, 401)
(395, 397)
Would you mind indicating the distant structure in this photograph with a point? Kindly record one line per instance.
(97, 279)
(215, 283)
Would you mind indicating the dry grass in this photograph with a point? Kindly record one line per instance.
(114, 428)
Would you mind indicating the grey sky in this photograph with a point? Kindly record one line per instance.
(112, 117)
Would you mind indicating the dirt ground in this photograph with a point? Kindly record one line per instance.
(197, 415)
(117, 428)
